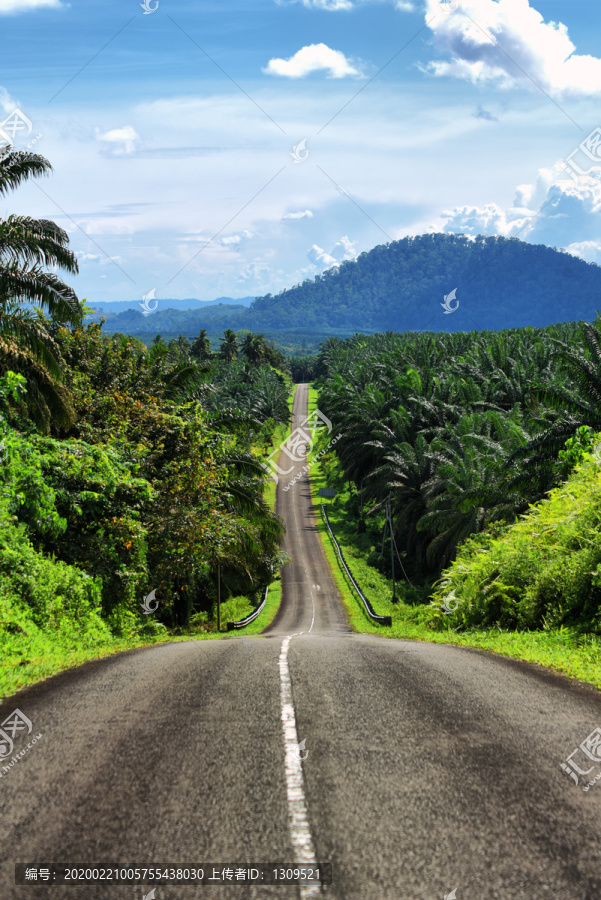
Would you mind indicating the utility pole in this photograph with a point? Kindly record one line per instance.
(389, 514)
(218, 597)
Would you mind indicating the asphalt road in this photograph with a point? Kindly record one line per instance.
(427, 769)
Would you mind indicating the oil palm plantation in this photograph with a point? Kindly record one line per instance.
(34, 300)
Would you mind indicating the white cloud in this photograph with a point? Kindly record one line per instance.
(105, 226)
(234, 240)
(318, 256)
(17, 6)
(257, 270)
(313, 58)
(587, 250)
(342, 249)
(403, 5)
(556, 211)
(303, 214)
(345, 249)
(124, 139)
(528, 47)
(82, 256)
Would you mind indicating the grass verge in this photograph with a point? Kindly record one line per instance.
(37, 656)
(281, 433)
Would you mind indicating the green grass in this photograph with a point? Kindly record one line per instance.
(313, 399)
(37, 656)
(274, 598)
(281, 433)
(578, 656)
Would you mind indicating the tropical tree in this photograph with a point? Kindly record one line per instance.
(577, 399)
(253, 348)
(28, 247)
(228, 349)
(201, 347)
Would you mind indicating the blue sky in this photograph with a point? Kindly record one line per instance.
(172, 133)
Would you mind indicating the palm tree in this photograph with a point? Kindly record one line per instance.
(27, 291)
(229, 345)
(201, 348)
(253, 348)
(580, 402)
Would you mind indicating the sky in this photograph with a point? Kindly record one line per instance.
(238, 147)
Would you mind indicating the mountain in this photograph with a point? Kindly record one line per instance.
(499, 283)
(170, 322)
(108, 308)
(491, 283)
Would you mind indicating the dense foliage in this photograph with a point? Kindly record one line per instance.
(543, 572)
(154, 488)
(463, 432)
(123, 469)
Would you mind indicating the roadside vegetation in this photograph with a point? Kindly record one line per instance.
(486, 447)
(125, 471)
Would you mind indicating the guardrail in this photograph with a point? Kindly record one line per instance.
(380, 620)
(241, 623)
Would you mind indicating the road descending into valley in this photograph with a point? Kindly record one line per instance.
(425, 769)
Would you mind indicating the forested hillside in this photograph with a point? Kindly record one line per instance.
(499, 283)
(111, 308)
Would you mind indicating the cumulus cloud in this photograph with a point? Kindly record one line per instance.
(556, 210)
(312, 58)
(404, 6)
(509, 42)
(302, 214)
(342, 249)
(258, 270)
(17, 6)
(123, 140)
(587, 250)
(318, 256)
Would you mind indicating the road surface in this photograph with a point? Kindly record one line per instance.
(425, 770)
